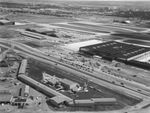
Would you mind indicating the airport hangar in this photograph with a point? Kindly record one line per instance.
(114, 50)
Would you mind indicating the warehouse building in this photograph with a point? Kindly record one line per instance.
(6, 22)
(41, 87)
(113, 50)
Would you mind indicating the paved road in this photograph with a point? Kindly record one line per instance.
(45, 59)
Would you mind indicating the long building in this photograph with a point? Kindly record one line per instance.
(92, 102)
(41, 87)
(113, 50)
(33, 35)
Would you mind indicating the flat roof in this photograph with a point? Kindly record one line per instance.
(68, 82)
(58, 99)
(104, 99)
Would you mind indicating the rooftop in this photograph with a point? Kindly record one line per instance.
(58, 99)
(66, 81)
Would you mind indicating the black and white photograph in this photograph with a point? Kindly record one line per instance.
(74, 56)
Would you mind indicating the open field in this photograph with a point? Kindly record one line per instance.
(82, 28)
(102, 27)
(127, 27)
(37, 18)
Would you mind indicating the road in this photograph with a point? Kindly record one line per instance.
(31, 53)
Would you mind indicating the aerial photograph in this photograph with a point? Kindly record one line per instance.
(74, 56)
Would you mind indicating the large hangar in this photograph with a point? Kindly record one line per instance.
(114, 50)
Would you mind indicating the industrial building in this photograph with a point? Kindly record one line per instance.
(41, 87)
(114, 50)
(6, 22)
(65, 83)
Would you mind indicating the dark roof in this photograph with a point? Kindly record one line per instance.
(114, 50)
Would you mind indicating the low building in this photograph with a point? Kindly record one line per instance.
(6, 22)
(69, 85)
(57, 101)
(104, 100)
(82, 103)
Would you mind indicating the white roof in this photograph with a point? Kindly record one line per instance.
(76, 46)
